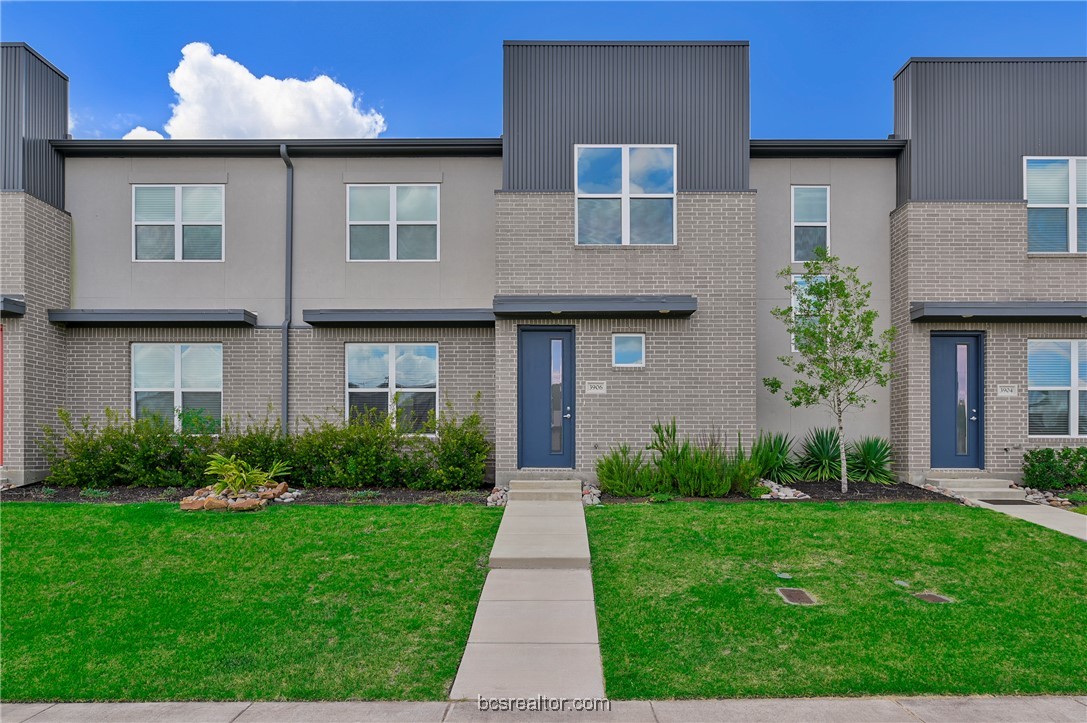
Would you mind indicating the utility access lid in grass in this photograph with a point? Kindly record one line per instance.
(796, 596)
(931, 597)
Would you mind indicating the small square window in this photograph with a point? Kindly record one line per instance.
(628, 350)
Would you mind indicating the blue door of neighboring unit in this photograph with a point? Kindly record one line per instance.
(545, 405)
(956, 411)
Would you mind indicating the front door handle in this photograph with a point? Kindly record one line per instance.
(567, 416)
(973, 419)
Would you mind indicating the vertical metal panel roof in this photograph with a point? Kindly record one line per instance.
(970, 121)
(33, 111)
(692, 94)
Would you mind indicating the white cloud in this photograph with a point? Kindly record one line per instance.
(220, 98)
(139, 133)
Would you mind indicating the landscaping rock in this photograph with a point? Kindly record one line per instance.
(497, 498)
(280, 489)
(247, 504)
(590, 494)
(781, 492)
(215, 503)
(267, 495)
(192, 503)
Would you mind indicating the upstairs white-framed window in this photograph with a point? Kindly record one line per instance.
(1056, 193)
(178, 222)
(810, 225)
(626, 195)
(1057, 387)
(397, 379)
(170, 379)
(393, 222)
(628, 349)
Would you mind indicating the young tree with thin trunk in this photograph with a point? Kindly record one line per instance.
(838, 355)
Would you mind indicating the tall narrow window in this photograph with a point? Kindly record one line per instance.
(626, 195)
(1057, 387)
(811, 221)
(178, 383)
(1056, 193)
(399, 379)
(556, 396)
(392, 223)
(177, 223)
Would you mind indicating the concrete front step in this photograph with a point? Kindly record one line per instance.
(544, 495)
(546, 484)
(995, 493)
(969, 482)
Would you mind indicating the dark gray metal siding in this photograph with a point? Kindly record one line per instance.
(694, 95)
(970, 122)
(33, 111)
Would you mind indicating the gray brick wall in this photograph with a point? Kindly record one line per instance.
(958, 251)
(700, 370)
(35, 248)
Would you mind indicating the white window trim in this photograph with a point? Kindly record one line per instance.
(178, 224)
(176, 389)
(1072, 205)
(392, 223)
(625, 194)
(615, 337)
(392, 391)
(793, 223)
(1073, 392)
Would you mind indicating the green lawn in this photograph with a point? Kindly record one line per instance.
(687, 609)
(144, 602)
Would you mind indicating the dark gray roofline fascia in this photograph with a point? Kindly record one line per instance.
(398, 317)
(998, 310)
(594, 306)
(153, 317)
(12, 306)
(301, 148)
(627, 42)
(997, 59)
(827, 148)
(37, 55)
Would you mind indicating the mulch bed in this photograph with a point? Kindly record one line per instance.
(827, 491)
(313, 496)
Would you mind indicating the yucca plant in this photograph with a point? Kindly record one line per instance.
(237, 476)
(773, 452)
(820, 458)
(870, 460)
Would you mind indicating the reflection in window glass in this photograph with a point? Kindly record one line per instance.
(397, 223)
(400, 379)
(625, 195)
(556, 396)
(628, 350)
(599, 221)
(652, 170)
(1057, 382)
(599, 170)
(651, 221)
(168, 378)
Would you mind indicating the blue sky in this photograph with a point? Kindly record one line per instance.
(818, 70)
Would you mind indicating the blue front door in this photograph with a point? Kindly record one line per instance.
(545, 404)
(956, 412)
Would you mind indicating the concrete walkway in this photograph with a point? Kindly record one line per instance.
(1070, 523)
(773, 710)
(534, 631)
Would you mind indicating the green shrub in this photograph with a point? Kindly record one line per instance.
(673, 457)
(773, 453)
(260, 443)
(624, 474)
(820, 458)
(868, 459)
(237, 476)
(1053, 469)
(123, 451)
(459, 452)
(758, 491)
(703, 472)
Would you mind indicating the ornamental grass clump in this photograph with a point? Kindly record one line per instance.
(820, 456)
(773, 452)
(870, 460)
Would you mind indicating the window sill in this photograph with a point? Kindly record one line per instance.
(625, 246)
(1056, 254)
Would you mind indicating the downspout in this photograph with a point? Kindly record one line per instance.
(288, 300)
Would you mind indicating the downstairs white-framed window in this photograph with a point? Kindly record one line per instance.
(1057, 387)
(174, 381)
(396, 379)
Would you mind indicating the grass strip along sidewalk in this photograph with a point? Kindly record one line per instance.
(143, 602)
(687, 607)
